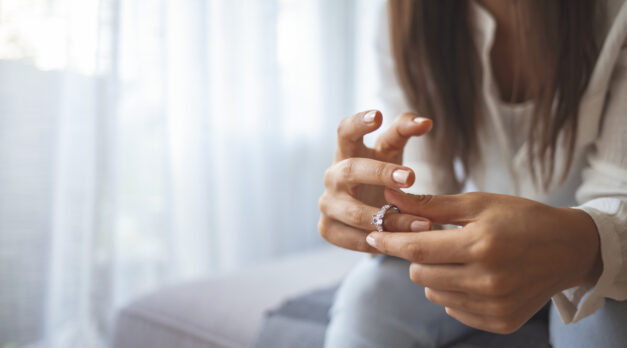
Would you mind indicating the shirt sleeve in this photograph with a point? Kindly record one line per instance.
(432, 175)
(603, 195)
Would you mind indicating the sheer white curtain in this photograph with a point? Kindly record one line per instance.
(146, 142)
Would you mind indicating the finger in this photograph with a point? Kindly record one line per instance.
(344, 236)
(394, 139)
(492, 306)
(431, 247)
(457, 209)
(396, 222)
(356, 171)
(483, 322)
(351, 131)
(444, 277)
(457, 277)
(352, 212)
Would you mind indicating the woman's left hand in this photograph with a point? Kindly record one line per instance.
(504, 264)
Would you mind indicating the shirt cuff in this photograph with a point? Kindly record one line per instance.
(579, 302)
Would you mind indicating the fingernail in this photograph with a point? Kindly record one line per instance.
(370, 240)
(419, 119)
(369, 116)
(419, 226)
(400, 176)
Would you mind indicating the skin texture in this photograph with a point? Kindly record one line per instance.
(510, 254)
(504, 263)
(354, 183)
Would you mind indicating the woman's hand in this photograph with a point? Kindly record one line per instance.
(504, 264)
(354, 183)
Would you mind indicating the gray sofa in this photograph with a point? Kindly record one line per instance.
(227, 310)
(283, 304)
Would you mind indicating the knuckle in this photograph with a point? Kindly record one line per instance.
(484, 249)
(473, 197)
(423, 199)
(489, 246)
(475, 200)
(414, 252)
(389, 143)
(384, 146)
(323, 228)
(360, 244)
(414, 274)
(382, 171)
(323, 203)
(329, 179)
(430, 295)
(491, 285)
(346, 169)
(494, 285)
(354, 215)
(502, 308)
(342, 127)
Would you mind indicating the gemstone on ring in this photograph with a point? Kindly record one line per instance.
(377, 219)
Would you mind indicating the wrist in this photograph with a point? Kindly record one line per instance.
(586, 246)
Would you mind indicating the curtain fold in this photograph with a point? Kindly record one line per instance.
(147, 142)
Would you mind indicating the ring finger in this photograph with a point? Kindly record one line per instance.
(353, 212)
(344, 236)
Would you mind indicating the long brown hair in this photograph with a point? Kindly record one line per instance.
(437, 66)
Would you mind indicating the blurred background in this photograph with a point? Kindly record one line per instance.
(146, 142)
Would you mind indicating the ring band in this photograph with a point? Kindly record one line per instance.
(377, 219)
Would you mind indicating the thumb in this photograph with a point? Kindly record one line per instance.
(440, 209)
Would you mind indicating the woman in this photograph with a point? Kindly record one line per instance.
(531, 98)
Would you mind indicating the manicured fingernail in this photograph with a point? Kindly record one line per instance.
(369, 116)
(370, 240)
(419, 226)
(400, 176)
(419, 119)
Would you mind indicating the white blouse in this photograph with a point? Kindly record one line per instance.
(597, 179)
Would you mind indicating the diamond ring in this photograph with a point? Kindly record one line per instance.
(377, 219)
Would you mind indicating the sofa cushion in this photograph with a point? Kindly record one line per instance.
(298, 322)
(226, 311)
(301, 323)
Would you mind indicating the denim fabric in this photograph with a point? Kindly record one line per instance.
(377, 305)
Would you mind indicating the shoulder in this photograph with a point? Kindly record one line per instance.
(612, 9)
(612, 34)
(610, 71)
(608, 77)
(614, 31)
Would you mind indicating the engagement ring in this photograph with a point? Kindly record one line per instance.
(377, 219)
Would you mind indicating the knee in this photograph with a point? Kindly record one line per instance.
(375, 285)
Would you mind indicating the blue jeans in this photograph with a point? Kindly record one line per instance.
(377, 305)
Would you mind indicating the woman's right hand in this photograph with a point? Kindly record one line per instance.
(354, 183)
